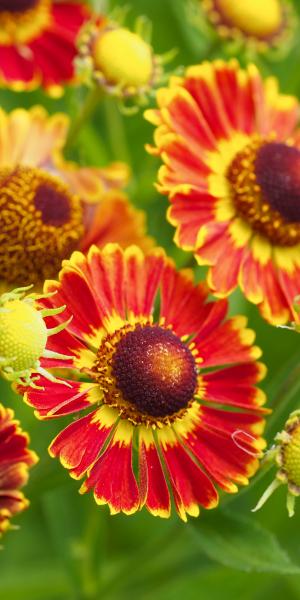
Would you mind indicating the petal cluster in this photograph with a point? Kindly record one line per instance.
(36, 182)
(129, 458)
(15, 460)
(218, 201)
(38, 44)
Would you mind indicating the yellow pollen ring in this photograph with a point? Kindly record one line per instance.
(252, 205)
(21, 27)
(40, 225)
(102, 372)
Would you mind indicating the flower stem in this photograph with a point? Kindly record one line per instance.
(116, 131)
(86, 110)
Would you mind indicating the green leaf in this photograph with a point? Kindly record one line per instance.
(241, 544)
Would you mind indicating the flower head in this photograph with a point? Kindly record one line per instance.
(118, 60)
(148, 353)
(231, 170)
(38, 42)
(15, 460)
(286, 454)
(259, 26)
(24, 336)
(50, 207)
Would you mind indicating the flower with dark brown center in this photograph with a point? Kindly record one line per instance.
(40, 224)
(161, 382)
(37, 42)
(231, 152)
(265, 180)
(148, 373)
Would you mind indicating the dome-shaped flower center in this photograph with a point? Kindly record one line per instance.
(23, 335)
(154, 370)
(265, 183)
(290, 456)
(277, 169)
(123, 57)
(40, 225)
(17, 5)
(252, 17)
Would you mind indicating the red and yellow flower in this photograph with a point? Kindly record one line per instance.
(38, 42)
(165, 382)
(15, 460)
(50, 207)
(231, 170)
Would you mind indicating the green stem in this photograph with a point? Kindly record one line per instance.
(116, 131)
(86, 110)
(88, 569)
(285, 394)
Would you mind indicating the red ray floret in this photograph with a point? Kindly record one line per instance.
(15, 460)
(47, 56)
(133, 458)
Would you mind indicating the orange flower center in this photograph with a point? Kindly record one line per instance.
(147, 372)
(21, 21)
(265, 182)
(40, 225)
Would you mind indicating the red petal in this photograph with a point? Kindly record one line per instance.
(80, 443)
(231, 342)
(143, 276)
(56, 399)
(190, 485)
(112, 476)
(153, 488)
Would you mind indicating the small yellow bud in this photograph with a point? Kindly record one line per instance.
(23, 335)
(253, 17)
(124, 58)
(286, 453)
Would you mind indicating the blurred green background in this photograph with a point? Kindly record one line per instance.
(67, 547)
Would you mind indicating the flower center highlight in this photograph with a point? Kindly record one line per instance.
(40, 225)
(265, 181)
(147, 372)
(252, 17)
(290, 456)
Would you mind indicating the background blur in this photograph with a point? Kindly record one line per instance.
(67, 548)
